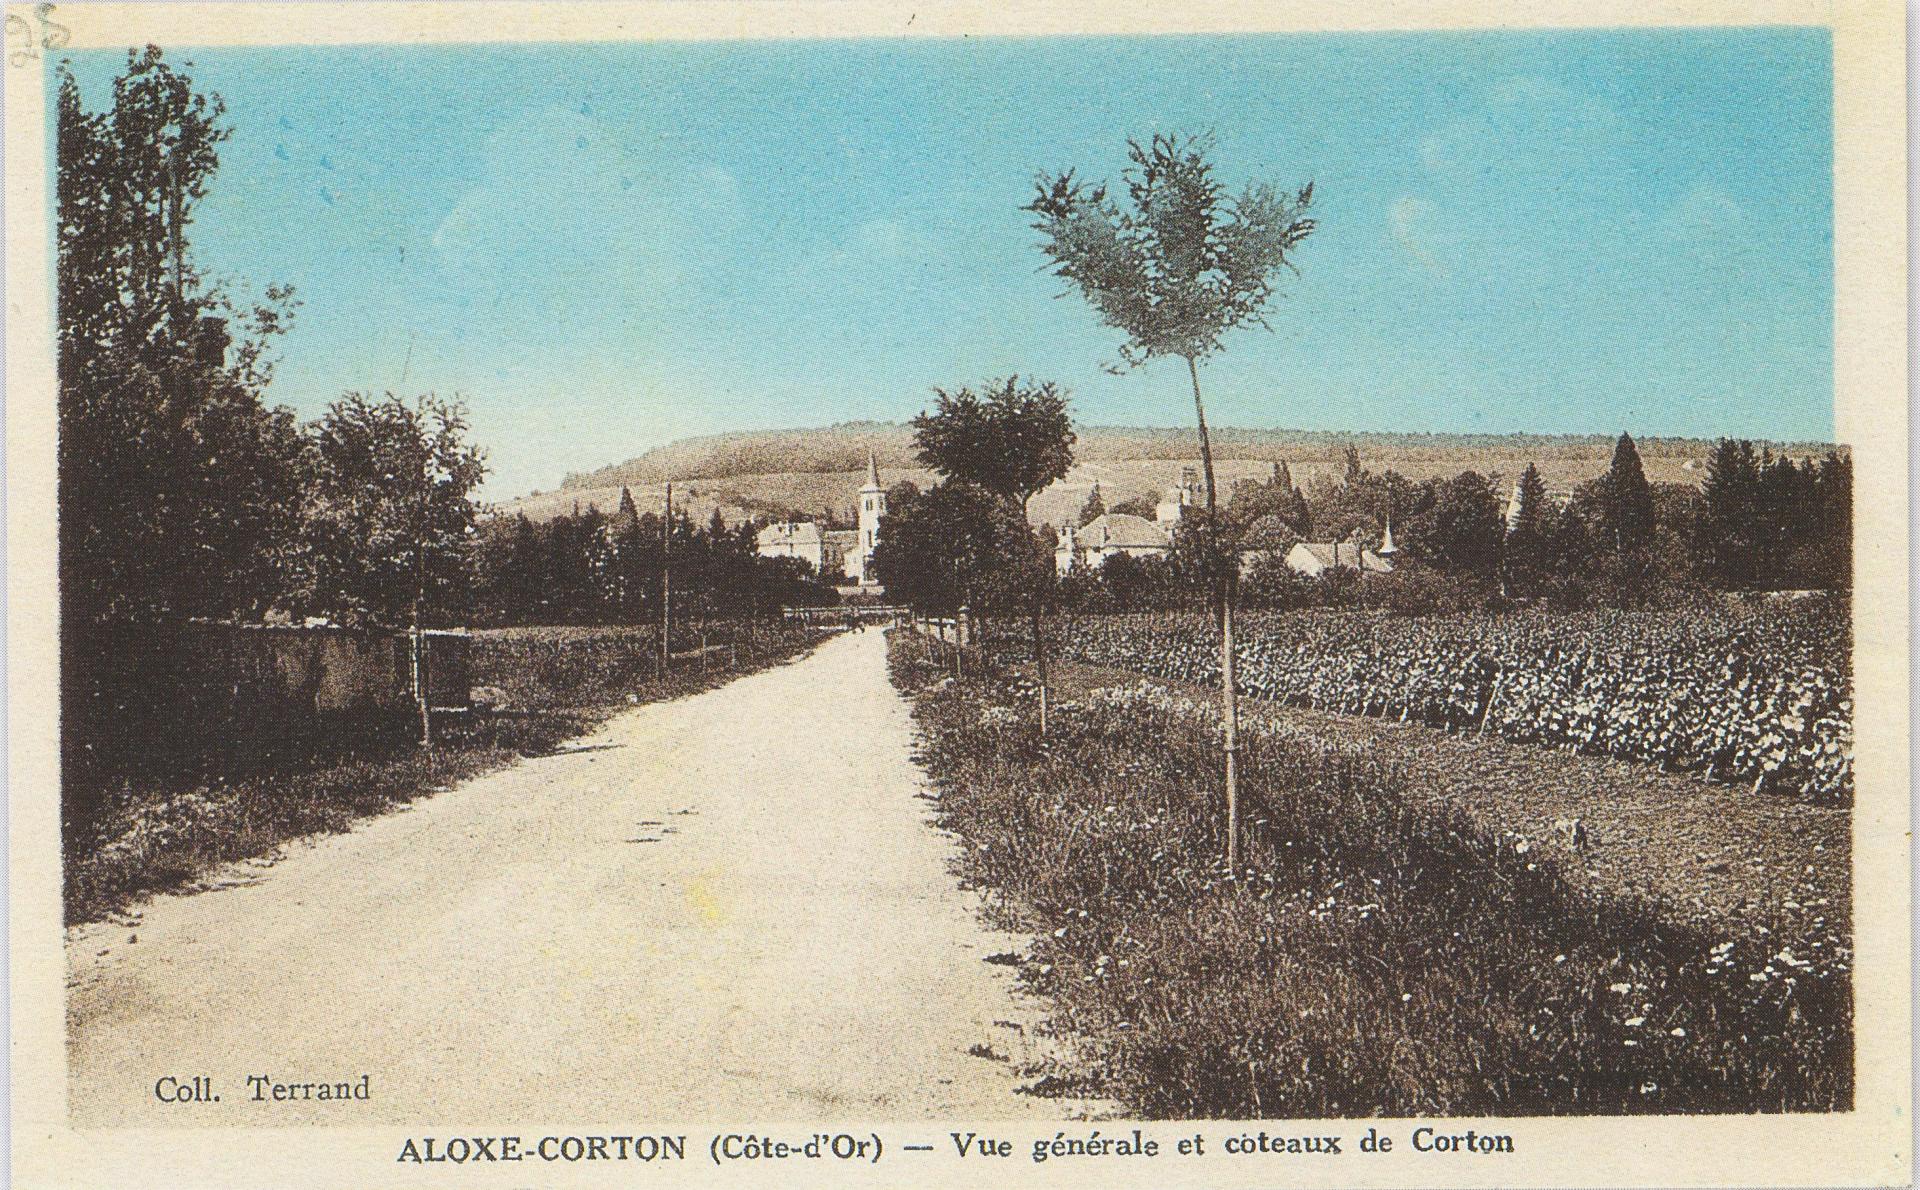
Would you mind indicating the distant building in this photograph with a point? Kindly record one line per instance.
(1314, 558)
(1105, 536)
(1113, 533)
(833, 553)
(792, 539)
(1174, 504)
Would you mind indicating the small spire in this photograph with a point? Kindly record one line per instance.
(873, 471)
(1386, 544)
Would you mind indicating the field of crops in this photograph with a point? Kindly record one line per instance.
(1380, 952)
(1759, 695)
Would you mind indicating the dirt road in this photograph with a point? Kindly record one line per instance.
(732, 905)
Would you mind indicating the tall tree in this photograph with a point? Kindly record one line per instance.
(1174, 272)
(1461, 530)
(391, 510)
(1011, 444)
(1625, 500)
(1728, 542)
(1524, 554)
(1013, 439)
(178, 487)
(1094, 508)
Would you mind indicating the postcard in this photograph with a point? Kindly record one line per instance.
(757, 594)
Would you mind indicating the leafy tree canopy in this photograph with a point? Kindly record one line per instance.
(1011, 439)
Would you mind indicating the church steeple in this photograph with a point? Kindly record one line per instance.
(1387, 548)
(873, 507)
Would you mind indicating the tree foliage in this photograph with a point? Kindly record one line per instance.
(1623, 501)
(390, 510)
(943, 550)
(1094, 508)
(178, 487)
(1012, 439)
(1185, 262)
(1768, 522)
(589, 568)
(1526, 561)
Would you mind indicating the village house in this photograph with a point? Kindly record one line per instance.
(1114, 533)
(1315, 558)
(793, 539)
(1106, 536)
(833, 553)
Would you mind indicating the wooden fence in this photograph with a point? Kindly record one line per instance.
(847, 615)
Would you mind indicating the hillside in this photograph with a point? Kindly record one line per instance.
(808, 472)
(843, 448)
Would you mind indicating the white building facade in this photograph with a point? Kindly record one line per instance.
(834, 553)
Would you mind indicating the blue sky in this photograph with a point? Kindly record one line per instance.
(606, 247)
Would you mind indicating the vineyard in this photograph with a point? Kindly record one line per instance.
(1380, 952)
(1757, 695)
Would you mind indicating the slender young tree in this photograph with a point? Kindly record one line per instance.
(1179, 267)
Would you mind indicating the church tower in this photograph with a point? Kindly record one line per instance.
(873, 506)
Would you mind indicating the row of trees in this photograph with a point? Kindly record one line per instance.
(182, 493)
(1760, 521)
(594, 568)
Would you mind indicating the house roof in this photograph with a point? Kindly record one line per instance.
(1119, 530)
(841, 537)
(1342, 554)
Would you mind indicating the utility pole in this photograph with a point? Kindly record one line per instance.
(666, 587)
(420, 593)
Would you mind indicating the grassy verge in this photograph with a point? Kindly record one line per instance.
(153, 837)
(1378, 954)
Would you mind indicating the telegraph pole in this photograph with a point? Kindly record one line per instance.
(666, 587)
(420, 659)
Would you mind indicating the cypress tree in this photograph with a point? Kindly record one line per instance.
(1731, 494)
(1524, 560)
(1094, 507)
(1628, 507)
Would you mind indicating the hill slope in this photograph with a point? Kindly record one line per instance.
(816, 472)
(843, 448)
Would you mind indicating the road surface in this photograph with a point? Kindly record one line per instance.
(731, 906)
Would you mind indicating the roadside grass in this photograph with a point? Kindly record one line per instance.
(1377, 954)
(151, 836)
